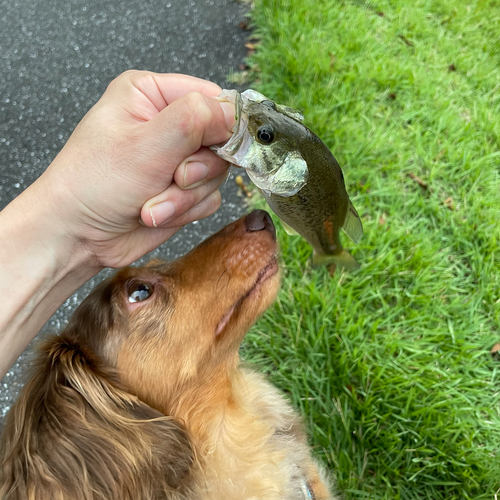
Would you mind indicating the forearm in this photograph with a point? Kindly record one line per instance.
(122, 162)
(41, 265)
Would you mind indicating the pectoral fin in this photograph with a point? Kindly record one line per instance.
(288, 229)
(352, 224)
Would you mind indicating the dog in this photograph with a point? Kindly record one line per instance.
(143, 396)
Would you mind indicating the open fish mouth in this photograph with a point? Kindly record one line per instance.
(284, 176)
(237, 145)
(236, 148)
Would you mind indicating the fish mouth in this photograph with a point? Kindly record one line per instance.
(230, 148)
(235, 149)
(265, 274)
(240, 138)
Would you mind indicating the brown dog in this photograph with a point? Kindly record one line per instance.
(142, 397)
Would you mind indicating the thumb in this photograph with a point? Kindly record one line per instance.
(189, 122)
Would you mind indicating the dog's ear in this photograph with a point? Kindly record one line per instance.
(74, 434)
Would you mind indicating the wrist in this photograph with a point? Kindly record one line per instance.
(41, 264)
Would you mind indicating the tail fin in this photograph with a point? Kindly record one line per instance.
(343, 260)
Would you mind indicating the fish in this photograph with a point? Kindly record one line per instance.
(297, 174)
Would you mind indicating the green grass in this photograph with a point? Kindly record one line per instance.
(390, 364)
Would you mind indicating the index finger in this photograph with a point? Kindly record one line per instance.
(172, 86)
(161, 89)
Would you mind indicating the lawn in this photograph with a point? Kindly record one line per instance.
(391, 364)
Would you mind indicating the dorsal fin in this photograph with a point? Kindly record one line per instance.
(352, 224)
(290, 112)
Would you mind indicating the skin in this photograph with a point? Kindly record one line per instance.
(141, 153)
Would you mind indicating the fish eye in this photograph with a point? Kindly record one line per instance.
(137, 292)
(265, 134)
(269, 104)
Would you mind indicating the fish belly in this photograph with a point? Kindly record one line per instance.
(319, 230)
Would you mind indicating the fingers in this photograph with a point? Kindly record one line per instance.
(161, 88)
(172, 86)
(148, 239)
(145, 93)
(165, 209)
(172, 115)
(205, 208)
(192, 121)
(169, 121)
(199, 168)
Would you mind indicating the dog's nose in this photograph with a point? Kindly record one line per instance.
(260, 220)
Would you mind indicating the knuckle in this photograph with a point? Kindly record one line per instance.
(125, 78)
(195, 100)
(215, 200)
(196, 115)
(188, 200)
(133, 74)
(138, 77)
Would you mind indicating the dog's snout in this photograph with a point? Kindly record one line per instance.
(256, 220)
(260, 220)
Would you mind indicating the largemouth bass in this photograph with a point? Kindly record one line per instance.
(296, 172)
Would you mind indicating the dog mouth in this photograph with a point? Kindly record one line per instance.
(267, 272)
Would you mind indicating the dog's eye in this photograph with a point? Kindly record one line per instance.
(139, 292)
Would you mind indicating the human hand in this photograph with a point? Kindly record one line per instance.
(140, 153)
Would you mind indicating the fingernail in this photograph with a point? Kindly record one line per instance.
(229, 114)
(161, 212)
(195, 172)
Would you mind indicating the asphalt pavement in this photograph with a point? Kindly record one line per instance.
(57, 58)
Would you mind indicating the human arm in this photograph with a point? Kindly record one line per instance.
(127, 155)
